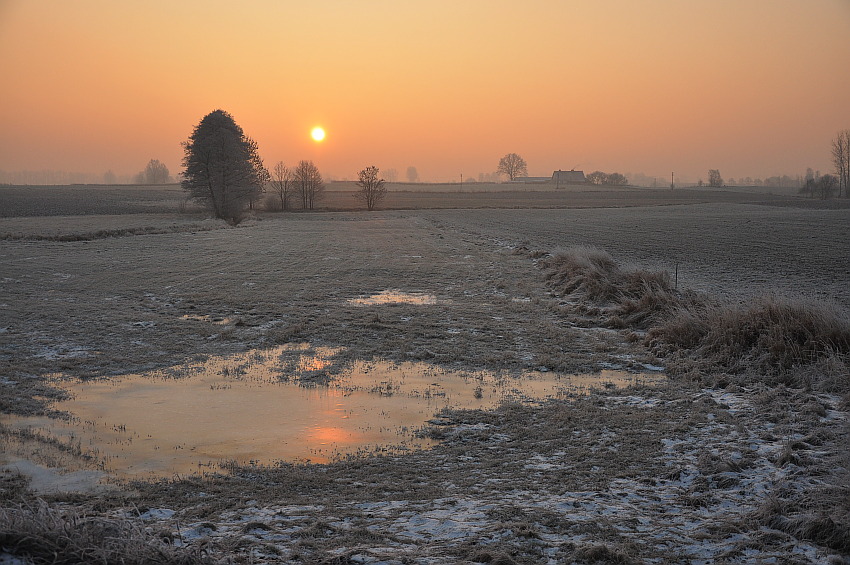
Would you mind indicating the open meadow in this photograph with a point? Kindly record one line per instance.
(700, 460)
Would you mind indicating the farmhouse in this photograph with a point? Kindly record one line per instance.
(531, 180)
(568, 177)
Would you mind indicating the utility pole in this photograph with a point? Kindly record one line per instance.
(672, 184)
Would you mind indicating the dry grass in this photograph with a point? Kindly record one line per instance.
(770, 340)
(777, 338)
(136, 301)
(820, 515)
(101, 234)
(773, 336)
(633, 298)
(43, 533)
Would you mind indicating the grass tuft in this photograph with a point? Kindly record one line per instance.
(774, 336)
(783, 340)
(42, 533)
(625, 297)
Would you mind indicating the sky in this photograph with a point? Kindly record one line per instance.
(750, 87)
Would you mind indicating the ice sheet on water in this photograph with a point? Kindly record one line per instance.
(190, 418)
(395, 296)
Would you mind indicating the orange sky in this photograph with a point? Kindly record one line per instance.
(751, 87)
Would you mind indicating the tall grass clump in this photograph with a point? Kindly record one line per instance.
(770, 335)
(624, 297)
(41, 533)
(778, 339)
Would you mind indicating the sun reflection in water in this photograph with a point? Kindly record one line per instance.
(395, 296)
(251, 408)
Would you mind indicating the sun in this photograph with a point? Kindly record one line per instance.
(318, 134)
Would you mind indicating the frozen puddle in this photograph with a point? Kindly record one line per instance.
(254, 408)
(394, 296)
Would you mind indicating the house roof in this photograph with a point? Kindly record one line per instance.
(568, 176)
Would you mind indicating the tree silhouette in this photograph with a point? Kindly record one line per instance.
(714, 178)
(283, 184)
(841, 160)
(513, 166)
(222, 166)
(597, 177)
(412, 174)
(372, 188)
(308, 183)
(156, 172)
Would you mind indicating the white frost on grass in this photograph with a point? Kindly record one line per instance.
(157, 514)
(64, 351)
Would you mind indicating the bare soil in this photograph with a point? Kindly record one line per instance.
(666, 474)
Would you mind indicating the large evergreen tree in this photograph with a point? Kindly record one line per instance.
(222, 166)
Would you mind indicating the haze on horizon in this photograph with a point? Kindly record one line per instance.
(754, 88)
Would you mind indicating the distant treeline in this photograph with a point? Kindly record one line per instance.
(60, 177)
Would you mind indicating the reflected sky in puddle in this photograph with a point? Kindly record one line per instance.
(251, 408)
(394, 296)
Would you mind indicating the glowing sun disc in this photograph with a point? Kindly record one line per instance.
(318, 134)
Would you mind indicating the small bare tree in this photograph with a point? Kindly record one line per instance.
(617, 179)
(714, 178)
(308, 183)
(412, 174)
(841, 160)
(155, 173)
(810, 183)
(597, 177)
(513, 166)
(826, 186)
(283, 184)
(372, 188)
(391, 174)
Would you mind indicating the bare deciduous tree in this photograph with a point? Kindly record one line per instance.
(412, 174)
(283, 184)
(617, 179)
(597, 177)
(372, 188)
(513, 166)
(222, 166)
(308, 184)
(155, 173)
(841, 160)
(714, 178)
(391, 175)
(826, 186)
(809, 185)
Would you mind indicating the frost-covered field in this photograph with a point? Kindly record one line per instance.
(675, 473)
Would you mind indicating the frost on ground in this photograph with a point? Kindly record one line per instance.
(653, 476)
(678, 473)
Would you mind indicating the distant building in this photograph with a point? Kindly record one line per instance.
(558, 177)
(568, 177)
(531, 180)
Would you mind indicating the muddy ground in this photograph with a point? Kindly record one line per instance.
(676, 473)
